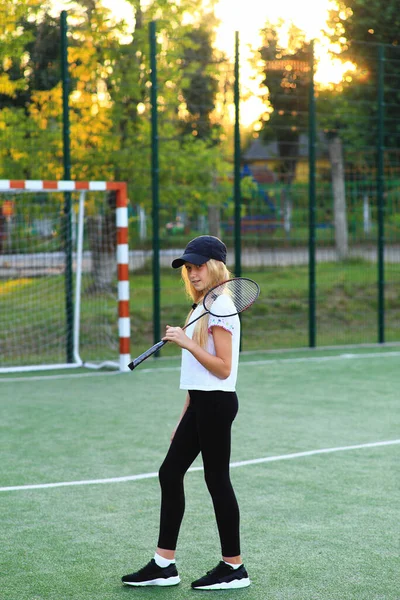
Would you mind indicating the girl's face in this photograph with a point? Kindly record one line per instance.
(198, 276)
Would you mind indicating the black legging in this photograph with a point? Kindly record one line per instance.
(205, 427)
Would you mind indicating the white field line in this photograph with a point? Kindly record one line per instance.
(318, 359)
(242, 463)
(268, 361)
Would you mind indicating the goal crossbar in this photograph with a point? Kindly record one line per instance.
(34, 185)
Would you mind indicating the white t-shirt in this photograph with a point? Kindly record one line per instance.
(193, 375)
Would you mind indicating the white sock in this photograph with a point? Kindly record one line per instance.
(234, 566)
(163, 562)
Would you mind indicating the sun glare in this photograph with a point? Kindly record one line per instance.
(310, 16)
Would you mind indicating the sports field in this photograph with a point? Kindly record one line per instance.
(316, 468)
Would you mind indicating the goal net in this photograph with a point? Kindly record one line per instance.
(64, 281)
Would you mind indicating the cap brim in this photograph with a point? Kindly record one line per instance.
(195, 259)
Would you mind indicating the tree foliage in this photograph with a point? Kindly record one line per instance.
(286, 75)
(15, 37)
(366, 26)
(199, 66)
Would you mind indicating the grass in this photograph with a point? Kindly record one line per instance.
(346, 312)
(322, 527)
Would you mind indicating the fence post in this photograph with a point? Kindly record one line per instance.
(381, 194)
(237, 195)
(312, 205)
(69, 306)
(155, 184)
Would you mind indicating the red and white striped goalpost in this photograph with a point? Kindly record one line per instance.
(120, 188)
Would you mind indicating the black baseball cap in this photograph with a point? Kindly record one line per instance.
(200, 250)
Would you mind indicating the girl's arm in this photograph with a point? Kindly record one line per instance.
(219, 365)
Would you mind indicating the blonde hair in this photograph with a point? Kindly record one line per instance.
(217, 272)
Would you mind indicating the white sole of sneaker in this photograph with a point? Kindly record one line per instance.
(159, 582)
(232, 585)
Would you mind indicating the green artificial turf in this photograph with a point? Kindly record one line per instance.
(316, 527)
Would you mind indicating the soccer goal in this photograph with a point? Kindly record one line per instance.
(64, 280)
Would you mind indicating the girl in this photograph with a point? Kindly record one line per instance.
(210, 353)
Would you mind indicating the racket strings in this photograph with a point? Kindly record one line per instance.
(241, 292)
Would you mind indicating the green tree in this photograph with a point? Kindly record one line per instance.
(199, 66)
(369, 21)
(349, 109)
(287, 78)
(14, 40)
(16, 127)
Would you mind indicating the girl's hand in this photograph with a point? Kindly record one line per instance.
(177, 336)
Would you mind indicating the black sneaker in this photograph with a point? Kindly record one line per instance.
(152, 574)
(223, 577)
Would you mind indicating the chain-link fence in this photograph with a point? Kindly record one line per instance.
(357, 202)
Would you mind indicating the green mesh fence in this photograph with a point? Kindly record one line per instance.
(112, 137)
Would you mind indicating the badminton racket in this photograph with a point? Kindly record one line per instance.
(240, 293)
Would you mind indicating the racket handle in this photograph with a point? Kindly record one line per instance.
(132, 365)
